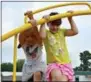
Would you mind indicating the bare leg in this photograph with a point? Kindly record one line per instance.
(64, 78)
(37, 76)
(56, 75)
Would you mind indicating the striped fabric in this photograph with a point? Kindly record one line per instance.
(65, 69)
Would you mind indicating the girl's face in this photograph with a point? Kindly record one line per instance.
(53, 28)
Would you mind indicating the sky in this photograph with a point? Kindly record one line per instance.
(13, 17)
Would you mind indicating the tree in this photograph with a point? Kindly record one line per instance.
(6, 67)
(85, 63)
(19, 65)
(9, 66)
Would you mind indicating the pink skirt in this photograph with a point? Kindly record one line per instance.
(65, 69)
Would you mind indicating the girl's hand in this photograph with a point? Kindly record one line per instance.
(69, 18)
(46, 17)
(33, 22)
(29, 14)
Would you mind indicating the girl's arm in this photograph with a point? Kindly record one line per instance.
(73, 31)
(43, 29)
(32, 20)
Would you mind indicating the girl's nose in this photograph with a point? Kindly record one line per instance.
(55, 26)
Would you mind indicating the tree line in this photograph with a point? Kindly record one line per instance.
(9, 66)
(85, 58)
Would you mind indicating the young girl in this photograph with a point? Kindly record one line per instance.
(59, 64)
(31, 42)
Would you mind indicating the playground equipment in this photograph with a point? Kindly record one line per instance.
(41, 21)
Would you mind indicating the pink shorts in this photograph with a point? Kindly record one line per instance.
(65, 69)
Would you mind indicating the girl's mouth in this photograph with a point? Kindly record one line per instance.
(33, 53)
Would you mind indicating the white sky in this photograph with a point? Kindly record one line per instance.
(13, 16)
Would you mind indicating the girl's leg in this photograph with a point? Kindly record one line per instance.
(56, 75)
(37, 76)
(30, 79)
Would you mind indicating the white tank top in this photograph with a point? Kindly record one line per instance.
(33, 54)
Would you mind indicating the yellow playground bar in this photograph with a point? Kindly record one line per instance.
(41, 21)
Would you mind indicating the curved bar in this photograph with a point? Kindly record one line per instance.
(61, 5)
(15, 31)
(63, 15)
(41, 21)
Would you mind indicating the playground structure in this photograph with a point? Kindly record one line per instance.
(41, 21)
